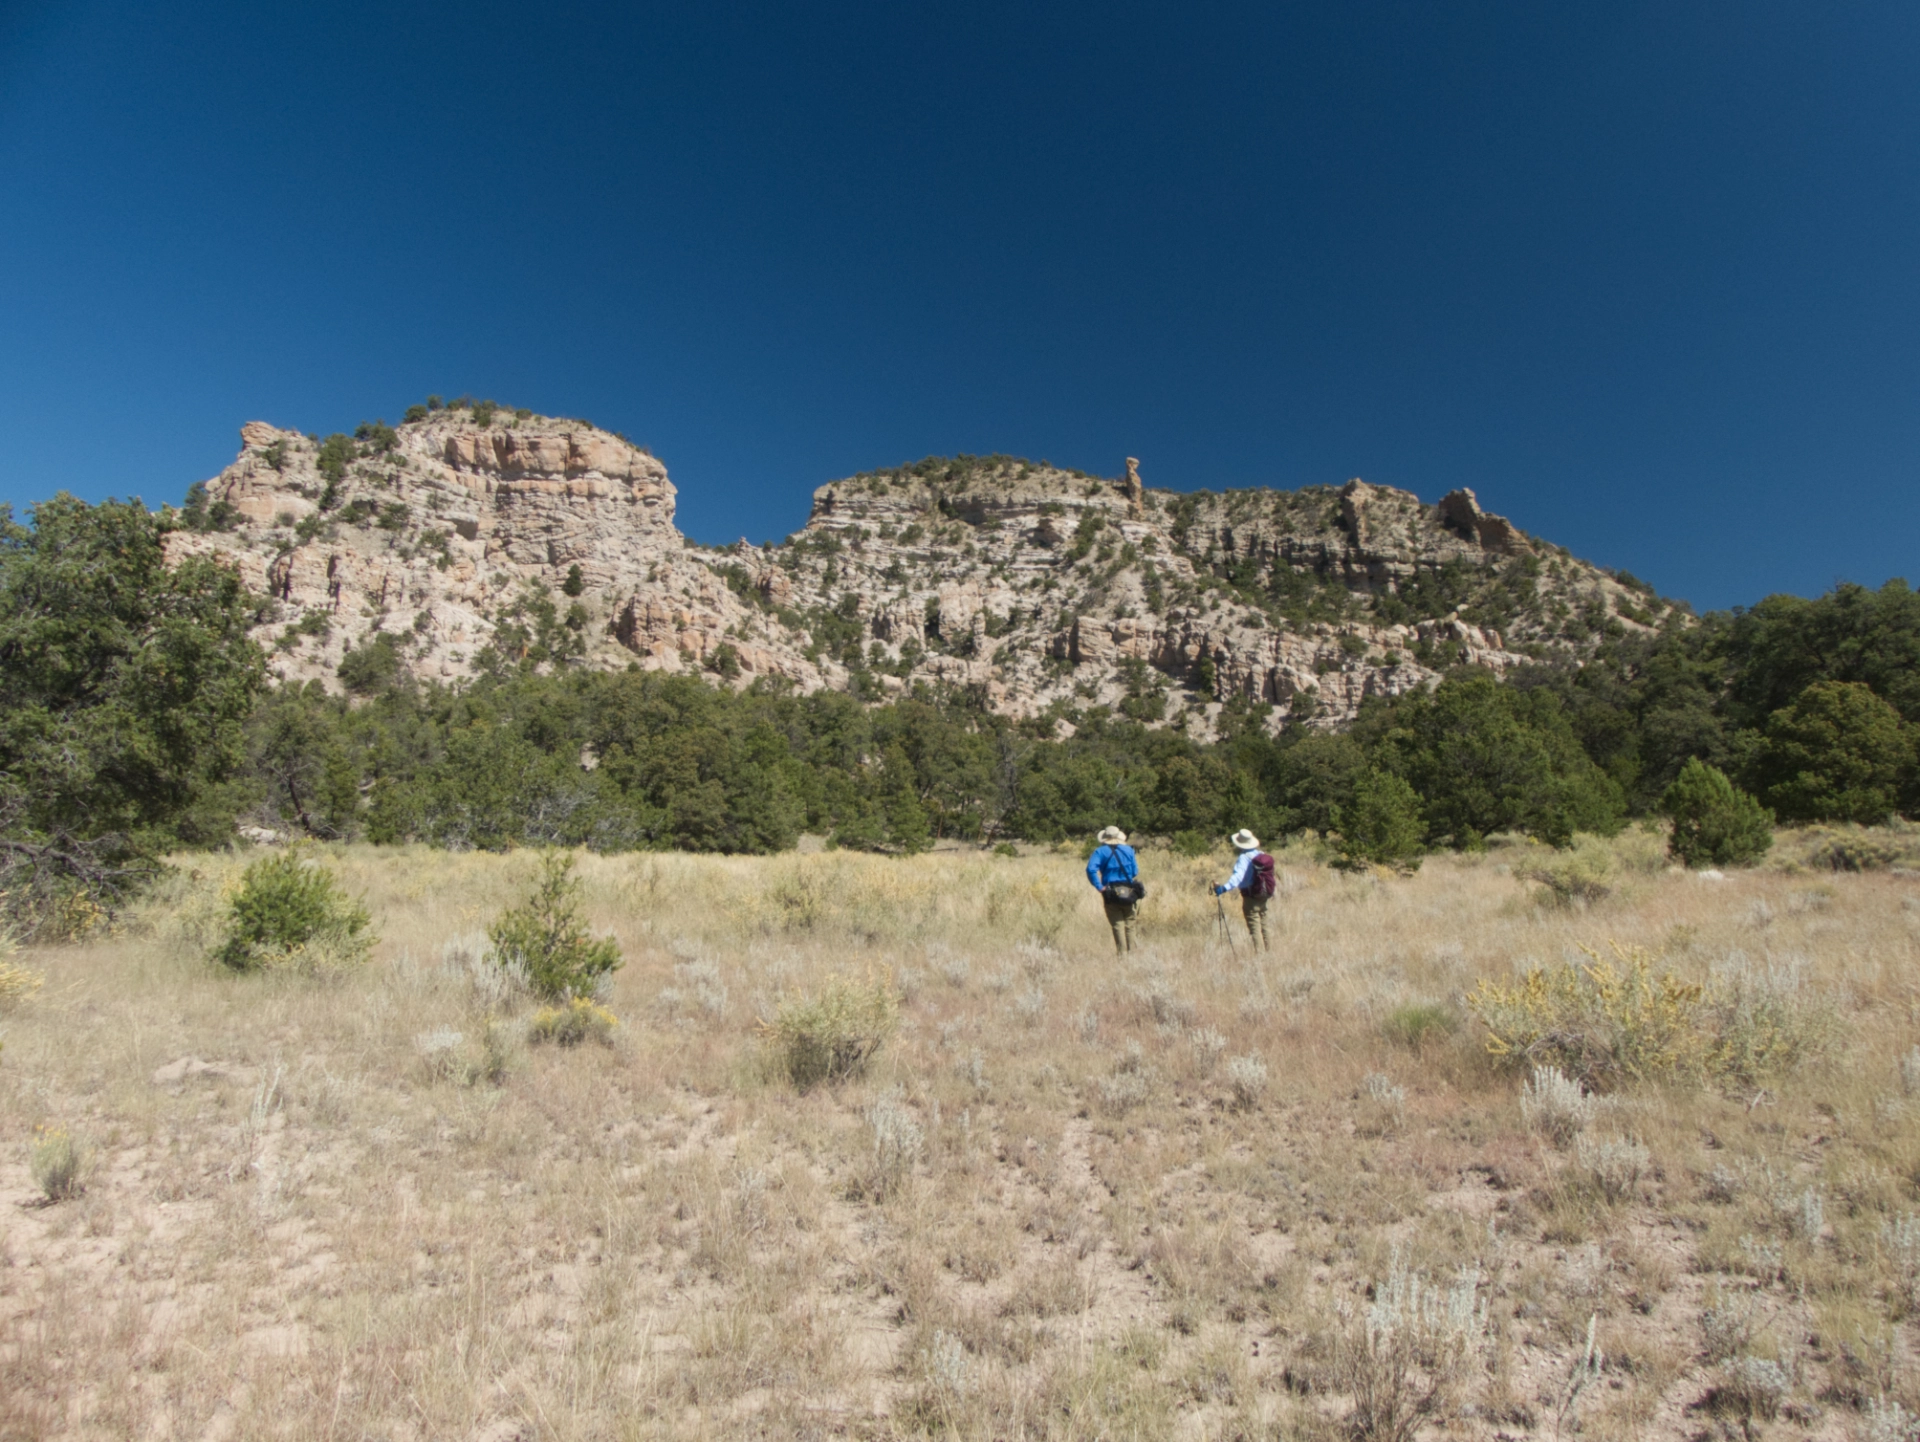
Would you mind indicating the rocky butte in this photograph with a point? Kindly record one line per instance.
(473, 538)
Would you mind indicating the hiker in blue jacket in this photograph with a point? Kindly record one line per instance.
(1115, 874)
(1253, 878)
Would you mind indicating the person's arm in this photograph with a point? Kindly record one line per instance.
(1093, 869)
(1239, 877)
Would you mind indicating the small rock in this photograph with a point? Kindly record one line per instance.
(178, 1072)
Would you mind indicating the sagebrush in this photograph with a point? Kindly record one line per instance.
(55, 1158)
(835, 1031)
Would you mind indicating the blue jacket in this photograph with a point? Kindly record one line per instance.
(1110, 864)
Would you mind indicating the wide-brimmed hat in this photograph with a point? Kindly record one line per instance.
(1112, 836)
(1244, 840)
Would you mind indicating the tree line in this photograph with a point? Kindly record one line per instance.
(135, 718)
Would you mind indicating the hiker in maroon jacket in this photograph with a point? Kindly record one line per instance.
(1253, 879)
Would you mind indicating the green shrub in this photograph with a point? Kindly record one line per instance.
(55, 1160)
(575, 1020)
(1578, 876)
(336, 453)
(378, 436)
(313, 623)
(1715, 823)
(725, 661)
(372, 667)
(1381, 826)
(1854, 848)
(832, 1033)
(548, 936)
(576, 582)
(1858, 853)
(200, 515)
(291, 908)
(1412, 1024)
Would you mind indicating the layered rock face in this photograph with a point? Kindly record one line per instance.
(1039, 588)
(1042, 586)
(441, 535)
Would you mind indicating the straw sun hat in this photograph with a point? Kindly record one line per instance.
(1244, 840)
(1112, 836)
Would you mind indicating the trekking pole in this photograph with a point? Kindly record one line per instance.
(1226, 927)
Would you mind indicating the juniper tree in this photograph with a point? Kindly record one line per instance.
(124, 683)
(1714, 822)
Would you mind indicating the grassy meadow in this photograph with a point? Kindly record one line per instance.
(1189, 1193)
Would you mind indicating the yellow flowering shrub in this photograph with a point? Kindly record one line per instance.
(573, 1021)
(1608, 1021)
(16, 983)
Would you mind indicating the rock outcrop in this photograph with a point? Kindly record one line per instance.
(1041, 589)
(446, 531)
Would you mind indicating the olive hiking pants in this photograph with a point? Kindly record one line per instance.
(1254, 909)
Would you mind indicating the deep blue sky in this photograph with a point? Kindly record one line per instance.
(1646, 275)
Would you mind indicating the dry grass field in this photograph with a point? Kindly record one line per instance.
(1188, 1193)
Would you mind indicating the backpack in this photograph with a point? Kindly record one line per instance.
(1259, 882)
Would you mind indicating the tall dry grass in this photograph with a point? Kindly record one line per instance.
(1073, 1195)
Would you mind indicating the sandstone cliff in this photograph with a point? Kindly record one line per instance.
(454, 537)
(437, 532)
